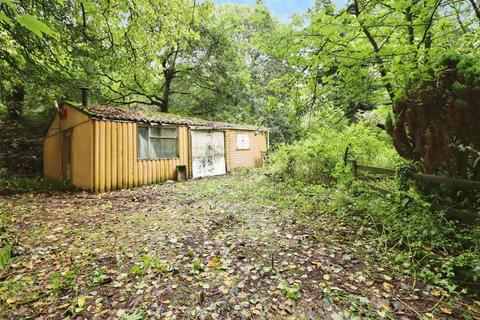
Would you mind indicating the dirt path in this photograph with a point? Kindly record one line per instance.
(209, 249)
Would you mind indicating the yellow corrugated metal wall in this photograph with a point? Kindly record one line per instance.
(104, 153)
(115, 158)
(82, 148)
(52, 157)
(245, 158)
(82, 155)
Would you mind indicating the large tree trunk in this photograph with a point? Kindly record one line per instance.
(16, 102)
(167, 89)
(168, 73)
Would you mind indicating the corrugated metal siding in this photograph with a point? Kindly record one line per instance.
(52, 157)
(82, 155)
(116, 163)
(81, 148)
(245, 158)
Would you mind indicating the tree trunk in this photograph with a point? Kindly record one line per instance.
(167, 88)
(379, 61)
(475, 8)
(16, 102)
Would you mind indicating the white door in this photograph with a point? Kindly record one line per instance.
(208, 153)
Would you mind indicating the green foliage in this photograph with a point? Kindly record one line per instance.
(198, 267)
(6, 232)
(152, 264)
(312, 176)
(34, 25)
(320, 156)
(292, 292)
(402, 224)
(63, 280)
(99, 276)
(137, 315)
(17, 184)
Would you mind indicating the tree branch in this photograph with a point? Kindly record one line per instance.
(429, 25)
(475, 8)
(376, 49)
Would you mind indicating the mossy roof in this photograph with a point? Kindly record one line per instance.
(107, 112)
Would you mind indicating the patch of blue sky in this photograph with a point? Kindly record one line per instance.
(283, 9)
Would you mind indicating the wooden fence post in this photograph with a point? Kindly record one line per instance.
(354, 168)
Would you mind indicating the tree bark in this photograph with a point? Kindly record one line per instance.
(475, 8)
(167, 88)
(169, 71)
(16, 102)
(381, 65)
(409, 18)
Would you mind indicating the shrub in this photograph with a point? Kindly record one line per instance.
(421, 240)
(320, 157)
(10, 184)
(436, 120)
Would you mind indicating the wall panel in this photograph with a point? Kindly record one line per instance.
(120, 152)
(114, 158)
(82, 164)
(245, 158)
(108, 155)
(116, 163)
(101, 151)
(52, 157)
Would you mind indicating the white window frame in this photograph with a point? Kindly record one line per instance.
(151, 136)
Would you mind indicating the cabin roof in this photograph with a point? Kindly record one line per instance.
(107, 112)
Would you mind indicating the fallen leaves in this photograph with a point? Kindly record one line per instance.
(387, 286)
(446, 310)
(80, 304)
(175, 252)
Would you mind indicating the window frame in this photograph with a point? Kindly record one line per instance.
(248, 137)
(160, 137)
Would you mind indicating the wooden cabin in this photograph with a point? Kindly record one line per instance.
(101, 148)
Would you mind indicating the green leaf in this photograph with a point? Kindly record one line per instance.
(292, 292)
(36, 26)
(81, 301)
(10, 3)
(198, 267)
(4, 18)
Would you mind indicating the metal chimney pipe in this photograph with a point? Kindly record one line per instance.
(84, 96)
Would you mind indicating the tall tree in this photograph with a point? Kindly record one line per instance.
(366, 52)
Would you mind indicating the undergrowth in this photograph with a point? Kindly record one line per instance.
(6, 246)
(312, 177)
(13, 184)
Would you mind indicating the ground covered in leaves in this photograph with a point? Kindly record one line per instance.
(219, 248)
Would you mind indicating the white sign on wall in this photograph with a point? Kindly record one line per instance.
(243, 142)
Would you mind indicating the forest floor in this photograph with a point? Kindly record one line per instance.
(218, 248)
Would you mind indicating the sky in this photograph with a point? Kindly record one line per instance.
(284, 8)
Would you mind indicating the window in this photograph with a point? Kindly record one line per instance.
(157, 143)
(243, 142)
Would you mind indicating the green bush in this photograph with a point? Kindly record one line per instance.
(319, 157)
(418, 238)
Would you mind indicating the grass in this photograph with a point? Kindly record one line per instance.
(237, 246)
